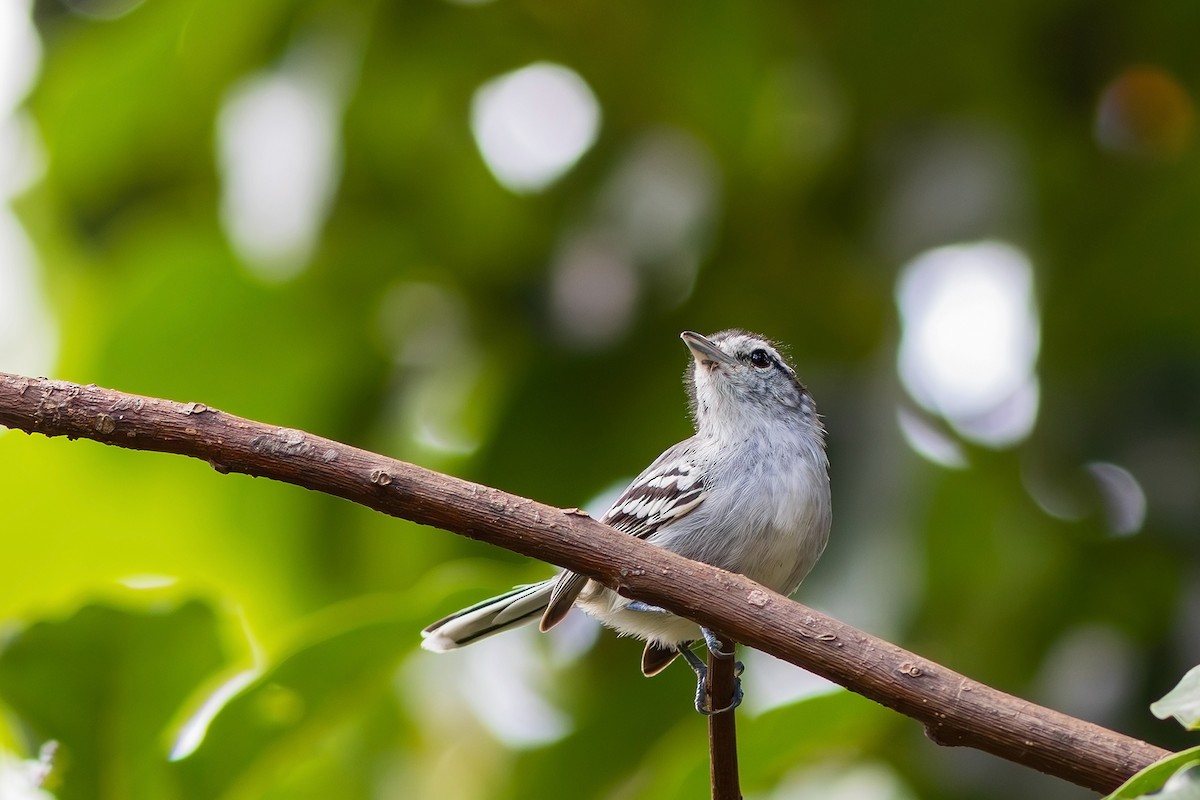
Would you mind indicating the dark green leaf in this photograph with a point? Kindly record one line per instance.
(105, 683)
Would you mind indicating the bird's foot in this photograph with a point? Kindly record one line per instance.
(713, 642)
(701, 670)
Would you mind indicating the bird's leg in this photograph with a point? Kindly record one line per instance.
(714, 645)
(638, 605)
(701, 669)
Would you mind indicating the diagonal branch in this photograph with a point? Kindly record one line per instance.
(955, 710)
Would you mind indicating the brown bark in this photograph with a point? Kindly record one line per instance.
(722, 728)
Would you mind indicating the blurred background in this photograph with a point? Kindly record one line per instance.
(467, 234)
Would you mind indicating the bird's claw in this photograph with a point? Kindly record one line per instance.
(713, 643)
(702, 696)
(701, 670)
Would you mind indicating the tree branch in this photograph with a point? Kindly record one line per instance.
(722, 728)
(954, 709)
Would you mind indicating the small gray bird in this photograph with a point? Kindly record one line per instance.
(748, 493)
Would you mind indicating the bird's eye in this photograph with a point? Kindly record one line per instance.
(760, 358)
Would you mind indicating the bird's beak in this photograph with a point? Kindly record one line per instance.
(704, 351)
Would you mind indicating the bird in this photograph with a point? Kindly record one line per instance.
(748, 493)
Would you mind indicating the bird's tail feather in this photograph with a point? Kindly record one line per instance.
(509, 610)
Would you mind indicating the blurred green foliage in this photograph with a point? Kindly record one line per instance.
(428, 324)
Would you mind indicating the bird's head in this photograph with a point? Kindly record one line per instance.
(738, 381)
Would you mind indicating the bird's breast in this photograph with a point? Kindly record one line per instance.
(765, 513)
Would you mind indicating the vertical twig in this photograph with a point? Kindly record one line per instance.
(722, 730)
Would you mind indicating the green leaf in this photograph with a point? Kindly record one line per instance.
(1175, 770)
(106, 684)
(1183, 785)
(338, 674)
(1182, 702)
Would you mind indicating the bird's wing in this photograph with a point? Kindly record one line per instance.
(666, 490)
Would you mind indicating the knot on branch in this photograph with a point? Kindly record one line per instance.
(283, 441)
(195, 408)
(943, 735)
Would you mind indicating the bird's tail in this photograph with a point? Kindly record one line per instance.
(515, 607)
